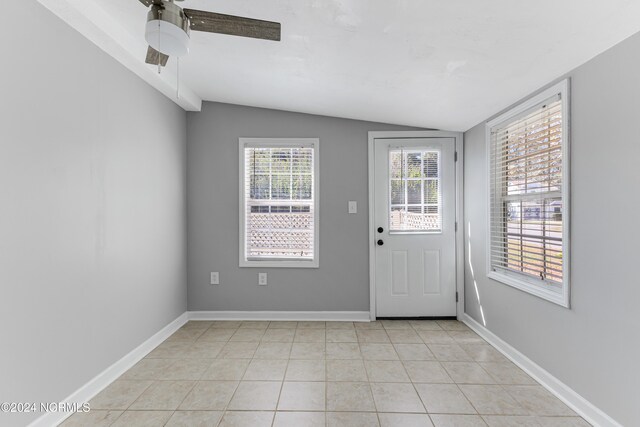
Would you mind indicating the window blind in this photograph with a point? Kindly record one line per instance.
(279, 202)
(526, 198)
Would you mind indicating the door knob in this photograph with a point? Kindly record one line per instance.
(380, 229)
(380, 242)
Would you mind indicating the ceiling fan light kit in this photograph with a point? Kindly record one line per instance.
(167, 30)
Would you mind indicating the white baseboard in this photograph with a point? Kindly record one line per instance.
(106, 377)
(579, 404)
(348, 316)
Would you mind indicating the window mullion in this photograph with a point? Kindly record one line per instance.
(290, 197)
(405, 185)
(520, 239)
(423, 186)
(532, 196)
(270, 233)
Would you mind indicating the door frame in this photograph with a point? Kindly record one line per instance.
(459, 234)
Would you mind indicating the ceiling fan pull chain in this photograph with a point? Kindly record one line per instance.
(159, 54)
(178, 78)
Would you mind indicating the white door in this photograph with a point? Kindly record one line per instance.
(414, 221)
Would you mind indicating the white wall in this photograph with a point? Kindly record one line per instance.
(595, 346)
(92, 209)
(342, 281)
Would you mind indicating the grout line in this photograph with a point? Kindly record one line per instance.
(375, 406)
(224, 410)
(275, 410)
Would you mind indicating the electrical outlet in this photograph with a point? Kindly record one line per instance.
(262, 279)
(353, 207)
(215, 278)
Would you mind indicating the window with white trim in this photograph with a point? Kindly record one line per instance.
(278, 197)
(528, 206)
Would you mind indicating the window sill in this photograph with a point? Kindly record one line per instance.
(279, 264)
(559, 298)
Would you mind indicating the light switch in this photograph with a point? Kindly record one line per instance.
(215, 278)
(353, 207)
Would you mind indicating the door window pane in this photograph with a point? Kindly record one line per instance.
(415, 200)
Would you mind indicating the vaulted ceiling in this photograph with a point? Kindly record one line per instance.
(432, 63)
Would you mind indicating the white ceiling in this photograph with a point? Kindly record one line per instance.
(446, 64)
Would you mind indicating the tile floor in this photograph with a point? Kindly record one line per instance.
(386, 373)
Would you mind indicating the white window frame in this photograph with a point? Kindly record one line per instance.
(406, 180)
(521, 281)
(280, 142)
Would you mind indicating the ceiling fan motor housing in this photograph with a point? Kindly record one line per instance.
(167, 29)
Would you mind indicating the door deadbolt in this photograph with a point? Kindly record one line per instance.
(380, 229)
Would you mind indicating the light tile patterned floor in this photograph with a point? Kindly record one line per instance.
(387, 373)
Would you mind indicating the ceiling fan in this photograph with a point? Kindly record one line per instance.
(169, 25)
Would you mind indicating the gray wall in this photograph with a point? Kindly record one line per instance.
(594, 348)
(342, 281)
(92, 209)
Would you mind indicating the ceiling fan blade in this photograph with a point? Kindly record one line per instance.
(233, 25)
(153, 57)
